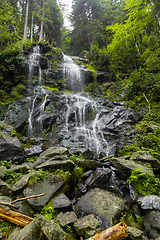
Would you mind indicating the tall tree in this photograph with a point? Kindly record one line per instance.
(26, 21)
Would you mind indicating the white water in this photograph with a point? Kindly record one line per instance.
(72, 75)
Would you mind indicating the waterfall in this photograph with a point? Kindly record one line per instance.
(72, 75)
(78, 121)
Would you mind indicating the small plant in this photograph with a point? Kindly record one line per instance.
(37, 176)
(31, 159)
(11, 177)
(6, 228)
(6, 163)
(49, 212)
(143, 183)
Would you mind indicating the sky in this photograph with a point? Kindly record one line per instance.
(66, 6)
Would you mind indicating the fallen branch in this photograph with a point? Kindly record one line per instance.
(20, 199)
(15, 217)
(32, 196)
(116, 232)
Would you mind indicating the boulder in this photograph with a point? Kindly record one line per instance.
(31, 231)
(5, 199)
(61, 202)
(151, 202)
(24, 168)
(67, 218)
(2, 171)
(22, 182)
(81, 150)
(49, 186)
(134, 233)
(52, 230)
(106, 206)
(144, 156)
(5, 189)
(57, 162)
(126, 166)
(151, 222)
(87, 226)
(10, 147)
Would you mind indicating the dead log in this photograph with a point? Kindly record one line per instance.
(116, 232)
(15, 217)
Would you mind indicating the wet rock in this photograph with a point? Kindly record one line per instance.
(10, 147)
(67, 218)
(149, 202)
(106, 206)
(144, 156)
(134, 233)
(2, 171)
(34, 150)
(61, 202)
(87, 226)
(5, 189)
(100, 179)
(49, 186)
(151, 223)
(81, 150)
(31, 231)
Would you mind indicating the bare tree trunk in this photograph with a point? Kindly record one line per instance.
(26, 21)
(42, 25)
(32, 27)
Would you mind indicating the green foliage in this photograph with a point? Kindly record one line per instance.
(31, 159)
(99, 58)
(144, 184)
(6, 228)
(37, 176)
(11, 177)
(6, 163)
(49, 212)
(51, 89)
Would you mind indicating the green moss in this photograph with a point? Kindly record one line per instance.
(144, 183)
(51, 89)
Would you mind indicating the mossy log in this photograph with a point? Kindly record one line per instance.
(14, 217)
(116, 232)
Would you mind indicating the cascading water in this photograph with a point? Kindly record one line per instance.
(82, 114)
(72, 75)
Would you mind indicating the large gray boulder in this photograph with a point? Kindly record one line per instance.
(10, 147)
(49, 186)
(54, 158)
(151, 223)
(67, 218)
(151, 202)
(31, 231)
(106, 206)
(144, 156)
(126, 166)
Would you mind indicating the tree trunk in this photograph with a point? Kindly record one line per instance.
(15, 217)
(26, 21)
(32, 27)
(116, 232)
(42, 25)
